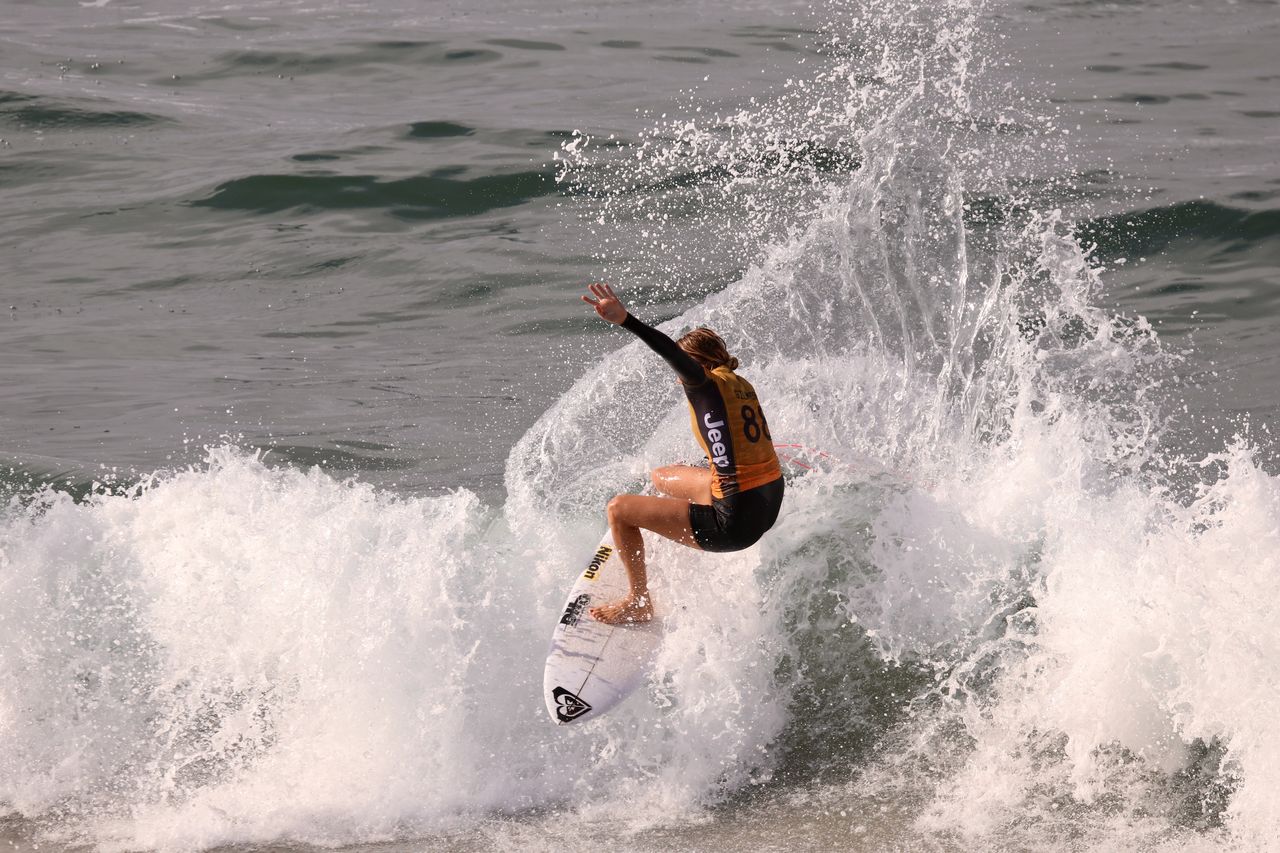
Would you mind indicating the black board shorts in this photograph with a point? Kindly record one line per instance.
(737, 521)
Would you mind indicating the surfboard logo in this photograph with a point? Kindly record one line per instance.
(568, 706)
(573, 612)
(597, 561)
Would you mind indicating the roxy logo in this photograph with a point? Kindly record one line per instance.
(568, 706)
(573, 612)
(596, 562)
(714, 444)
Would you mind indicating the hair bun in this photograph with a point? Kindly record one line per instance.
(707, 348)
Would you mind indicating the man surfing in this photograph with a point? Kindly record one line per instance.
(726, 507)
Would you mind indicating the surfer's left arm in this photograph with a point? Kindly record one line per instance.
(609, 307)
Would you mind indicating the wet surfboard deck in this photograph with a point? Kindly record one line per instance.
(593, 666)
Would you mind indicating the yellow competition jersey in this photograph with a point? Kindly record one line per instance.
(730, 426)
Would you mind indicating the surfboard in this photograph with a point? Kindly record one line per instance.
(591, 666)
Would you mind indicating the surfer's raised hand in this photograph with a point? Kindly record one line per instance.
(606, 303)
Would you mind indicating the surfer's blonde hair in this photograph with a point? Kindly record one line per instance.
(707, 348)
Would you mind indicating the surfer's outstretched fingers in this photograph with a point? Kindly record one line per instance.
(601, 292)
(606, 303)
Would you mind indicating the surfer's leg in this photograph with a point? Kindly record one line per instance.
(684, 481)
(667, 517)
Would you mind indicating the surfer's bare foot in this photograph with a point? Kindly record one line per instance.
(630, 610)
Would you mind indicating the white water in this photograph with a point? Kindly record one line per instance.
(994, 579)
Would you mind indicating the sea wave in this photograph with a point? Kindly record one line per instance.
(43, 112)
(445, 192)
(1156, 229)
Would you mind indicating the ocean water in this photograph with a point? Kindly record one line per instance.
(304, 433)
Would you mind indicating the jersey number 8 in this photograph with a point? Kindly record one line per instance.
(753, 424)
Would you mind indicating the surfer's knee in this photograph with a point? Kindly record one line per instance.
(616, 509)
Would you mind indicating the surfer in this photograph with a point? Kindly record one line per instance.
(726, 507)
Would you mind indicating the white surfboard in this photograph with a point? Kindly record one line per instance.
(593, 666)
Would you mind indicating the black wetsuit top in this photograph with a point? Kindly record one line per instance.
(690, 372)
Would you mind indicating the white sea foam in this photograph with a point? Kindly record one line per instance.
(237, 652)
